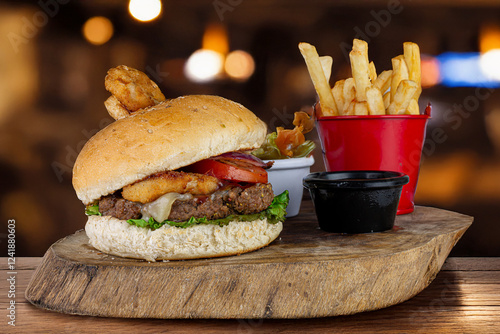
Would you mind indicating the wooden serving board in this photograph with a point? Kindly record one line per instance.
(304, 273)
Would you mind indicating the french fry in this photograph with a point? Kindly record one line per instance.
(359, 67)
(349, 93)
(349, 110)
(411, 53)
(387, 100)
(361, 46)
(318, 78)
(394, 91)
(375, 101)
(383, 81)
(399, 73)
(361, 108)
(402, 98)
(338, 95)
(372, 72)
(326, 64)
(413, 108)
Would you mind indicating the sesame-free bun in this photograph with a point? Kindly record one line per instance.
(170, 135)
(117, 237)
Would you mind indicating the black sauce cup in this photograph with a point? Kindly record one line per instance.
(355, 201)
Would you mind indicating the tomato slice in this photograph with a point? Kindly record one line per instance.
(231, 169)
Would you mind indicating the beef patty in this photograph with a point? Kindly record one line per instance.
(220, 204)
(113, 205)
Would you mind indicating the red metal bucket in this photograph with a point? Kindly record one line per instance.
(377, 142)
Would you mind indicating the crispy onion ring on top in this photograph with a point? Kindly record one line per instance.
(132, 88)
(156, 185)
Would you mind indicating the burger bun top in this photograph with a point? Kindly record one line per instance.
(170, 135)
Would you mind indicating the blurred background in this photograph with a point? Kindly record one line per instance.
(54, 55)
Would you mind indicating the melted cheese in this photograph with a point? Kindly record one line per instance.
(160, 208)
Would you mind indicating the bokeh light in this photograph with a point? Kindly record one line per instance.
(144, 10)
(490, 64)
(239, 65)
(489, 37)
(204, 65)
(97, 30)
(215, 38)
(430, 71)
(467, 69)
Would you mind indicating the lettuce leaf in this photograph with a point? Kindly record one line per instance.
(304, 149)
(270, 151)
(153, 224)
(92, 210)
(277, 210)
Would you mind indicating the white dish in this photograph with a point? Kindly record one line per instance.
(287, 174)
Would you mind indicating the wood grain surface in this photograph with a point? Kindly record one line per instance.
(305, 273)
(464, 298)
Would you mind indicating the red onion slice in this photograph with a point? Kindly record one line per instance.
(243, 156)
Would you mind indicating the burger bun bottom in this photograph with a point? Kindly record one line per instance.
(117, 237)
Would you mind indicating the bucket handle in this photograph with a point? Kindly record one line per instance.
(428, 109)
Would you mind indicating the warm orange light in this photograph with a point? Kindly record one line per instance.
(239, 65)
(97, 30)
(430, 72)
(215, 39)
(489, 45)
(489, 38)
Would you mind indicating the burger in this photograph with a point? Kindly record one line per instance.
(175, 181)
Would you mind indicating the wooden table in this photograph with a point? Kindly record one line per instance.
(464, 298)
